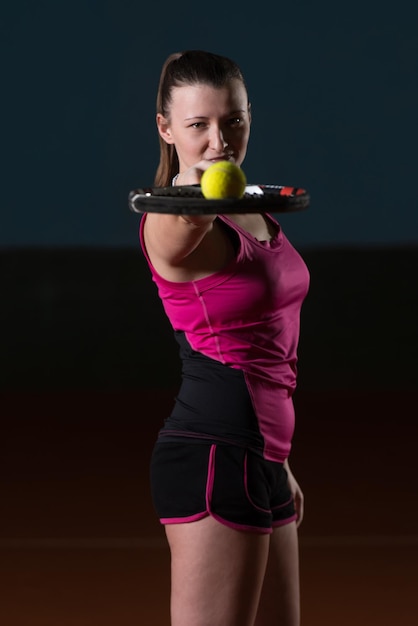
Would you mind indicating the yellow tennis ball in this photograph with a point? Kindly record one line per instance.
(223, 179)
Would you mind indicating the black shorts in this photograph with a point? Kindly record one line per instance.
(234, 485)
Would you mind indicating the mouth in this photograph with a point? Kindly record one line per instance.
(224, 157)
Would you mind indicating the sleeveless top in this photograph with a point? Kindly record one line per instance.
(238, 331)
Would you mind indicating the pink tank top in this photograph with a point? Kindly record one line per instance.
(247, 316)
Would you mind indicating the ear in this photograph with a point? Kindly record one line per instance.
(249, 112)
(164, 128)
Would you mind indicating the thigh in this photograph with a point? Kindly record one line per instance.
(216, 573)
(280, 596)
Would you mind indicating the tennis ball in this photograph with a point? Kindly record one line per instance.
(223, 179)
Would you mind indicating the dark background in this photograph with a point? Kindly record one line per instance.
(334, 94)
(88, 365)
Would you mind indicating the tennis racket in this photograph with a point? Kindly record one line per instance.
(189, 200)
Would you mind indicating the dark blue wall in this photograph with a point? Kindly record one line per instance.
(334, 93)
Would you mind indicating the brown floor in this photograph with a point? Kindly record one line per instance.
(80, 545)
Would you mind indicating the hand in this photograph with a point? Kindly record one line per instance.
(193, 175)
(297, 494)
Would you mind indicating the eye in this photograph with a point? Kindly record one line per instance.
(197, 125)
(235, 121)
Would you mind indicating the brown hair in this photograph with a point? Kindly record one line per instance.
(187, 68)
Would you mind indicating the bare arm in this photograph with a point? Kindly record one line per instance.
(171, 238)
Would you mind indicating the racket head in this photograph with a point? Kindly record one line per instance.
(189, 200)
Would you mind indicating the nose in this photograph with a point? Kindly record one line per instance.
(217, 141)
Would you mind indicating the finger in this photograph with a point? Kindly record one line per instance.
(192, 175)
(299, 511)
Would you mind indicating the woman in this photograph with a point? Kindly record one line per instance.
(232, 288)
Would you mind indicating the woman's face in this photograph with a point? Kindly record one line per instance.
(208, 123)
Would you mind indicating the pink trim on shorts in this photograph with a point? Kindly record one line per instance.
(287, 520)
(211, 476)
(280, 506)
(283, 522)
(254, 529)
(185, 520)
(209, 490)
(259, 508)
(208, 512)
